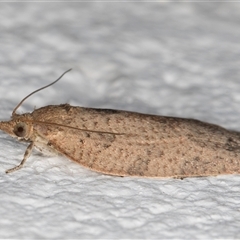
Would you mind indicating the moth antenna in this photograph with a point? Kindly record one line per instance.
(15, 109)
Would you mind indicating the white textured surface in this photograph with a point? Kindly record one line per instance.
(178, 59)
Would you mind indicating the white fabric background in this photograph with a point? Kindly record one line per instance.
(178, 59)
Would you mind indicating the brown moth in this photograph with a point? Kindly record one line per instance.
(124, 143)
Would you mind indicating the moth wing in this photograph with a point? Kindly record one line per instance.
(145, 145)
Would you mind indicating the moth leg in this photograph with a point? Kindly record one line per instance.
(26, 155)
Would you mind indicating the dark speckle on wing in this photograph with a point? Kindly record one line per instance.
(107, 111)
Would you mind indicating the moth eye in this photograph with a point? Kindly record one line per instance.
(20, 130)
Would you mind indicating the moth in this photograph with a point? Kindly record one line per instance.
(125, 143)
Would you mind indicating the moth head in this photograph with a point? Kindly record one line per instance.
(17, 128)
